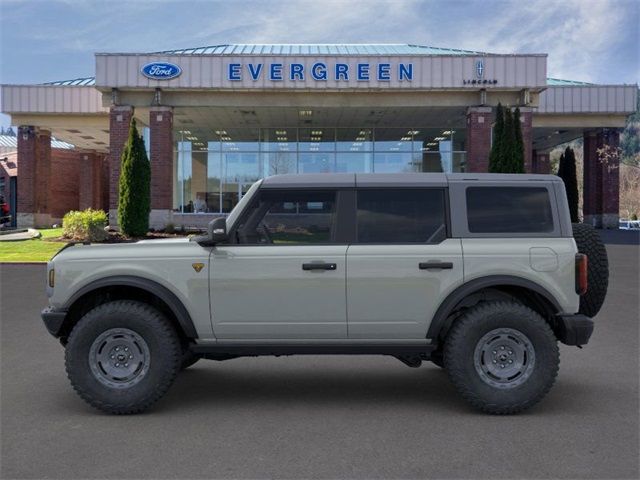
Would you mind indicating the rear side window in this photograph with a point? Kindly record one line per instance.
(509, 210)
(401, 216)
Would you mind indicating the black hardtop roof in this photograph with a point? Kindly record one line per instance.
(328, 180)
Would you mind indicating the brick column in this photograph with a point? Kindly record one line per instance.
(34, 168)
(526, 118)
(478, 143)
(119, 121)
(540, 162)
(601, 178)
(161, 153)
(86, 187)
(610, 164)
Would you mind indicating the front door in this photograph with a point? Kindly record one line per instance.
(402, 264)
(283, 276)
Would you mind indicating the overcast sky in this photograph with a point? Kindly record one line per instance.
(589, 40)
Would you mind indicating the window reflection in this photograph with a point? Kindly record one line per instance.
(214, 167)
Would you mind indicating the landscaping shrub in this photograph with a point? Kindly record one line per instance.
(87, 225)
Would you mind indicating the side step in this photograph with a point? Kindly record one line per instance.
(422, 351)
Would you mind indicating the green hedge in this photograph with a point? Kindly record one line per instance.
(87, 225)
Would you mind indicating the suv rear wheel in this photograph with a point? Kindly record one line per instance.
(122, 356)
(502, 357)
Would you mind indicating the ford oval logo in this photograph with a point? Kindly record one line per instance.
(161, 70)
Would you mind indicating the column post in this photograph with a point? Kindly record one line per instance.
(119, 121)
(526, 122)
(161, 153)
(609, 156)
(478, 142)
(34, 167)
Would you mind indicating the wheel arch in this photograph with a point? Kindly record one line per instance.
(131, 287)
(489, 288)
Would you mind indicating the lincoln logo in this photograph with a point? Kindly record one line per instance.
(161, 71)
(479, 68)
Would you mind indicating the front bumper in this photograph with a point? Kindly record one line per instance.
(54, 320)
(574, 329)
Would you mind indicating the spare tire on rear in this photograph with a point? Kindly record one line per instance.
(589, 242)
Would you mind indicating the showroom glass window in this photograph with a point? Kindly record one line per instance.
(509, 210)
(403, 215)
(214, 166)
(289, 217)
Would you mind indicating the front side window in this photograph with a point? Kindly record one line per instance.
(289, 217)
(509, 210)
(401, 215)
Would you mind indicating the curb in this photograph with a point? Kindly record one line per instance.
(22, 263)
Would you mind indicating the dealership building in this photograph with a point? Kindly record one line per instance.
(216, 119)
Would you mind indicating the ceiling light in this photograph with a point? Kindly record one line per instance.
(405, 138)
(316, 132)
(439, 138)
(447, 132)
(305, 113)
(281, 132)
(432, 144)
(186, 131)
(413, 132)
(282, 139)
(360, 139)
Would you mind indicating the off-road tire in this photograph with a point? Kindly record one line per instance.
(589, 242)
(469, 330)
(165, 356)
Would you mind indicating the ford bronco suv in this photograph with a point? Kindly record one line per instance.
(482, 274)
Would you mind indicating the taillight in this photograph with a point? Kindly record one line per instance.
(581, 273)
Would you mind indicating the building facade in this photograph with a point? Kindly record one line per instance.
(216, 119)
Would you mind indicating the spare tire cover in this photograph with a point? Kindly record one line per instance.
(589, 242)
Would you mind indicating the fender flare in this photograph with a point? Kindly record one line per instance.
(154, 288)
(466, 289)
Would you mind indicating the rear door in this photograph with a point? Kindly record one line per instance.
(402, 264)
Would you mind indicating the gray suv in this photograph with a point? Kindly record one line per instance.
(481, 274)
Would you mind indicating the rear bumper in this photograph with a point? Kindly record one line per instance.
(574, 329)
(53, 319)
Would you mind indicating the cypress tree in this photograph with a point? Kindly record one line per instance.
(134, 196)
(518, 144)
(508, 143)
(567, 171)
(497, 148)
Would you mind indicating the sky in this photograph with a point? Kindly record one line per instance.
(589, 40)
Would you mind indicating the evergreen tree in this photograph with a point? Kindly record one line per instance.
(567, 172)
(518, 149)
(497, 148)
(508, 143)
(134, 196)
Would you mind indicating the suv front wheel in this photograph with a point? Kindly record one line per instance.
(502, 356)
(122, 356)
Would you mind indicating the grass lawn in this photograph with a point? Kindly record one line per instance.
(37, 250)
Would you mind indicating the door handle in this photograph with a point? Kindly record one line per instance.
(435, 265)
(319, 266)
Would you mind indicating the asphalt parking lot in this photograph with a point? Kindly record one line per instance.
(321, 417)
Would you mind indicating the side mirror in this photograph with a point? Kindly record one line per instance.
(216, 233)
(218, 230)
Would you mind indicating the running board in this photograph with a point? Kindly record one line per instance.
(254, 350)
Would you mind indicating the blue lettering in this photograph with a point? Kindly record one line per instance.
(383, 72)
(405, 71)
(342, 70)
(275, 71)
(297, 70)
(234, 71)
(319, 71)
(255, 71)
(363, 71)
